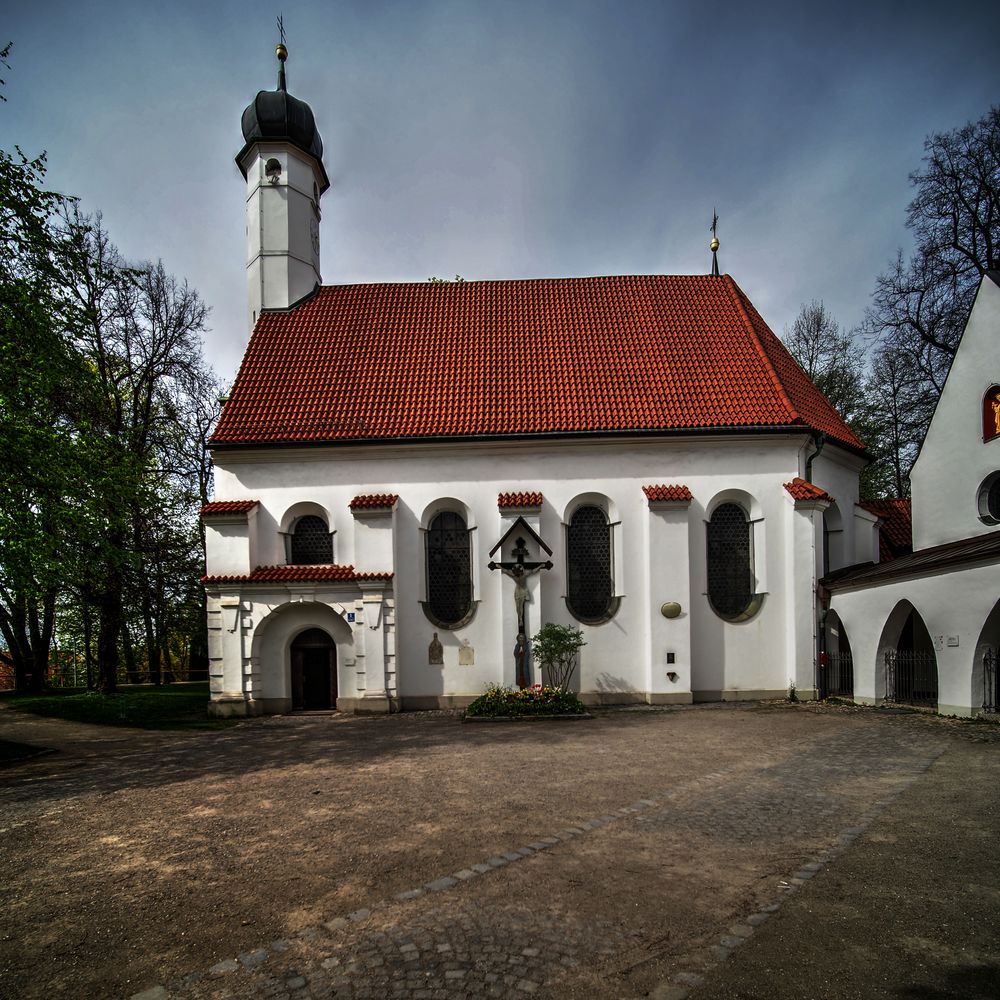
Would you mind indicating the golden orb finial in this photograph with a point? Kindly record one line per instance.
(281, 52)
(714, 245)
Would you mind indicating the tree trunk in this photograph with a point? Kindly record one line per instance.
(88, 638)
(131, 670)
(109, 626)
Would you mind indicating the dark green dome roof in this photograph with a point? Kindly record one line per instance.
(276, 114)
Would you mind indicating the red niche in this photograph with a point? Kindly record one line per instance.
(991, 414)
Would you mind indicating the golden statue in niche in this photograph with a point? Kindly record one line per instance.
(995, 403)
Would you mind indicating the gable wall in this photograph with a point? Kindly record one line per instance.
(954, 460)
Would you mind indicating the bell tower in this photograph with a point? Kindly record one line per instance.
(282, 162)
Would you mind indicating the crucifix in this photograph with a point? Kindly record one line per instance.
(519, 569)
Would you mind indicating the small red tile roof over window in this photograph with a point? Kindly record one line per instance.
(391, 362)
(529, 499)
(801, 489)
(895, 533)
(299, 574)
(667, 494)
(374, 501)
(228, 507)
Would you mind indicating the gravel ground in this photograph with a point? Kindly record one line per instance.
(413, 856)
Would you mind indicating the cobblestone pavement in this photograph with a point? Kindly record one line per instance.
(522, 923)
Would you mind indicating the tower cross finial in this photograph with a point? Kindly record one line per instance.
(714, 245)
(282, 53)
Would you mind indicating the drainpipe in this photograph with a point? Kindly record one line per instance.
(821, 597)
(820, 440)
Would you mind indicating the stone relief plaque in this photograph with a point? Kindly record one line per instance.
(466, 654)
(435, 652)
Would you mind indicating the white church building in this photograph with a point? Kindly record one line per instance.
(409, 475)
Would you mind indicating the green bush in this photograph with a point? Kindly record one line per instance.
(555, 648)
(536, 700)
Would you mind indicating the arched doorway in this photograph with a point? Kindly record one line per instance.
(908, 653)
(314, 671)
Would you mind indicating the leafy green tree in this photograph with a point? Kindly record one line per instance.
(41, 380)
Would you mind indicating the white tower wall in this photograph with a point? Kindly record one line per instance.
(282, 227)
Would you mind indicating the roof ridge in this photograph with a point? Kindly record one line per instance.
(737, 296)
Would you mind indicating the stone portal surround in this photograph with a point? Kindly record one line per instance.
(530, 967)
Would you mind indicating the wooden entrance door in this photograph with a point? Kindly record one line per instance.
(314, 671)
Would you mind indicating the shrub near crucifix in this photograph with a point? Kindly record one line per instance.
(556, 647)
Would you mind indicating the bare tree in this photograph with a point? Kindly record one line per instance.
(831, 358)
(921, 303)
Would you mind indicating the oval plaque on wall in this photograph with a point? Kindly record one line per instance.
(670, 610)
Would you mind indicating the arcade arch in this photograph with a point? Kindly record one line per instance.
(906, 666)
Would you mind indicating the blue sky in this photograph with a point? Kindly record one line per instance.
(509, 139)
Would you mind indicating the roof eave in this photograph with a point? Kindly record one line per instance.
(711, 431)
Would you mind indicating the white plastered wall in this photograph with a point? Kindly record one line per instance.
(659, 556)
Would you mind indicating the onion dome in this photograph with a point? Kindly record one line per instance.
(277, 116)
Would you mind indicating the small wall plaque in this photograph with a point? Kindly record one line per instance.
(670, 610)
(466, 655)
(350, 616)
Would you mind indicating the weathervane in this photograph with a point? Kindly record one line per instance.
(281, 52)
(715, 243)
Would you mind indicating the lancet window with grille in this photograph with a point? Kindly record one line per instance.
(312, 543)
(590, 590)
(449, 570)
(730, 572)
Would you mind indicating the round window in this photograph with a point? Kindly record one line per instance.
(989, 499)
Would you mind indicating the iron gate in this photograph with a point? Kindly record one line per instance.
(836, 677)
(990, 681)
(911, 677)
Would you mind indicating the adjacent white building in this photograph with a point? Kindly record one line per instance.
(640, 451)
(924, 628)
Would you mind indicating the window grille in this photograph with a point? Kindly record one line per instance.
(590, 591)
(312, 543)
(730, 574)
(449, 571)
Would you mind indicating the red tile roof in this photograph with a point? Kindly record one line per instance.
(298, 574)
(383, 362)
(672, 494)
(532, 499)
(801, 489)
(374, 501)
(228, 507)
(895, 533)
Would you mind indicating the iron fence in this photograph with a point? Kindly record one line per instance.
(836, 676)
(990, 681)
(911, 677)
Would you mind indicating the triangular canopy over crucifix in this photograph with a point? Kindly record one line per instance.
(521, 528)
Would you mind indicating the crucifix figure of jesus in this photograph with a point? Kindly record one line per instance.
(519, 569)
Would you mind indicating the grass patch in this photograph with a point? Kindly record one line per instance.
(176, 706)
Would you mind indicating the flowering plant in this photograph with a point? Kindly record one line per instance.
(535, 700)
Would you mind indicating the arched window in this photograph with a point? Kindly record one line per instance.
(312, 543)
(730, 565)
(590, 588)
(449, 571)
